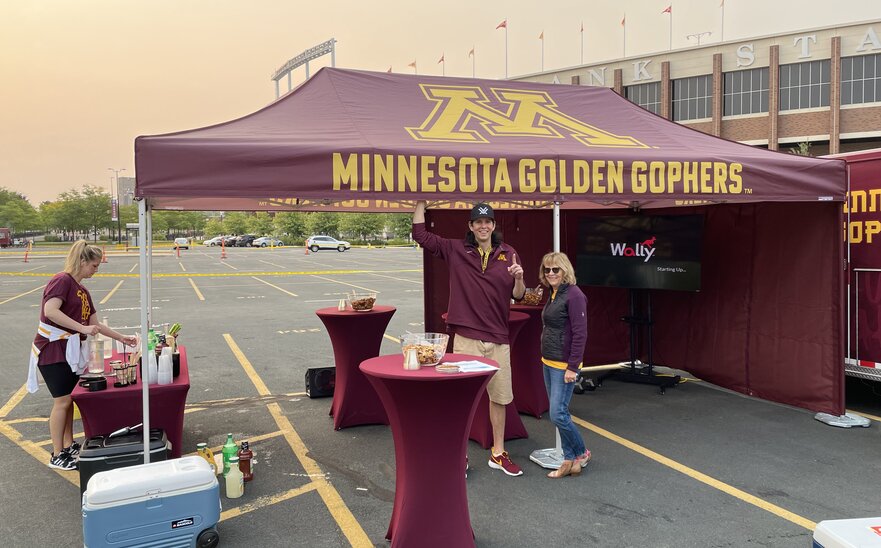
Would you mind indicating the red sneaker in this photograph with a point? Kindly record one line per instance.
(504, 463)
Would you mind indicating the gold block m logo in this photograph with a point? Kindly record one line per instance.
(529, 114)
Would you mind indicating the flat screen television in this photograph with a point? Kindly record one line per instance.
(640, 251)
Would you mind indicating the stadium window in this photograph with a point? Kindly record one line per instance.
(746, 91)
(645, 95)
(861, 79)
(692, 98)
(804, 85)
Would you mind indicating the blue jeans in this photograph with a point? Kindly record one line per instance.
(559, 395)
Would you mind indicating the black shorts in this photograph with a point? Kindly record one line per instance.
(60, 380)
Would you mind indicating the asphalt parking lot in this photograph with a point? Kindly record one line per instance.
(699, 466)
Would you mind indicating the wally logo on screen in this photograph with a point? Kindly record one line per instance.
(527, 113)
(643, 249)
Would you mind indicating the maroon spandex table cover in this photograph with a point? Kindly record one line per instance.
(481, 428)
(530, 395)
(115, 408)
(355, 336)
(430, 414)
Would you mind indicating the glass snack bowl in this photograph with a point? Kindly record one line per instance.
(532, 297)
(361, 302)
(430, 347)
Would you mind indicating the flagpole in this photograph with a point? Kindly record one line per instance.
(542, 51)
(722, 32)
(582, 42)
(671, 26)
(473, 61)
(506, 48)
(624, 25)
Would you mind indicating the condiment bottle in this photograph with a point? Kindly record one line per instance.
(246, 457)
(235, 482)
(411, 360)
(230, 450)
(205, 452)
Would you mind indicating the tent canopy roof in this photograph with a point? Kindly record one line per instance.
(349, 139)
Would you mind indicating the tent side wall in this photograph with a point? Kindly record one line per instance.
(767, 322)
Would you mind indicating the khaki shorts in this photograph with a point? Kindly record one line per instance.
(499, 387)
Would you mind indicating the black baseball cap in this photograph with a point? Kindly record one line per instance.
(482, 210)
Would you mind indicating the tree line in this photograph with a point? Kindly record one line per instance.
(88, 211)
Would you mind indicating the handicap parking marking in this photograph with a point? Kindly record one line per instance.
(699, 476)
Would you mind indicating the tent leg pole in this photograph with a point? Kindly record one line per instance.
(146, 300)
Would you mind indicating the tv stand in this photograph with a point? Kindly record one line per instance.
(635, 370)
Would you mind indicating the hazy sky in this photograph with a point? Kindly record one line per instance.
(80, 79)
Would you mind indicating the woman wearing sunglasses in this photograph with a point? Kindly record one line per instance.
(563, 339)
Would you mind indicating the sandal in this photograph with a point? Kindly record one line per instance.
(568, 468)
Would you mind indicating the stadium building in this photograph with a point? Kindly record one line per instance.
(820, 86)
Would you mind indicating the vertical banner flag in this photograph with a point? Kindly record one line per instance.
(114, 210)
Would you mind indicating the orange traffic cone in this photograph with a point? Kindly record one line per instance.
(26, 252)
(223, 248)
(306, 247)
(103, 255)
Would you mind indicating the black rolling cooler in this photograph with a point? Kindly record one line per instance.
(101, 453)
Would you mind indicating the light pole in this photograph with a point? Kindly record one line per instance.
(698, 35)
(118, 222)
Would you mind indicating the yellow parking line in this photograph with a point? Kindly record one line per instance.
(23, 294)
(224, 274)
(267, 501)
(182, 266)
(699, 476)
(336, 506)
(13, 401)
(346, 283)
(112, 291)
(35, 451)
(196, 289)
(389, 337)
(275, 286)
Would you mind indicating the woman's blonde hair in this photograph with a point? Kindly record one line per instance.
(557, 258)
(80, 251)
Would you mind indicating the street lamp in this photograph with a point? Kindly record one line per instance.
(118, 222)
(699, 35)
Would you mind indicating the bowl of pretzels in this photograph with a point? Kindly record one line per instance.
(430, 347)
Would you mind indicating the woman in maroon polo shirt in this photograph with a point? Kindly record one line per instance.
(67, 306)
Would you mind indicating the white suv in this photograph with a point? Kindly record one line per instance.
(315, 243)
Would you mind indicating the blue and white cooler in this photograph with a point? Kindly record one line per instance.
(172, 503)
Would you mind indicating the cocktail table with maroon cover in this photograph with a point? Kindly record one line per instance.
(355, 336)
(530, 395)
(108, 410)
(430, 414)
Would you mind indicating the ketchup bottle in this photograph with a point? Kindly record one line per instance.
(245, 458)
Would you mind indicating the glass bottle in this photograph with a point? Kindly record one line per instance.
(230, 450)
(246, 461)
(205, 452)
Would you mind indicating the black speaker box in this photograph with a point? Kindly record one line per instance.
(320, 381)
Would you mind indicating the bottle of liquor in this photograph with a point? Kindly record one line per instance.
(246, 459)
(230, 450)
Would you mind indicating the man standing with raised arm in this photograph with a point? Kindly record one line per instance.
(484, 275)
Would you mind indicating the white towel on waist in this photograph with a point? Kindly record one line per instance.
(77, 355)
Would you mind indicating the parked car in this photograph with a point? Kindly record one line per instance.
(182, 243)
(245, 240)
(213, 241)
(314, 243)
(267, 241)
(229, 240)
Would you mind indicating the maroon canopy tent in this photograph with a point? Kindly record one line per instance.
(769, 319)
